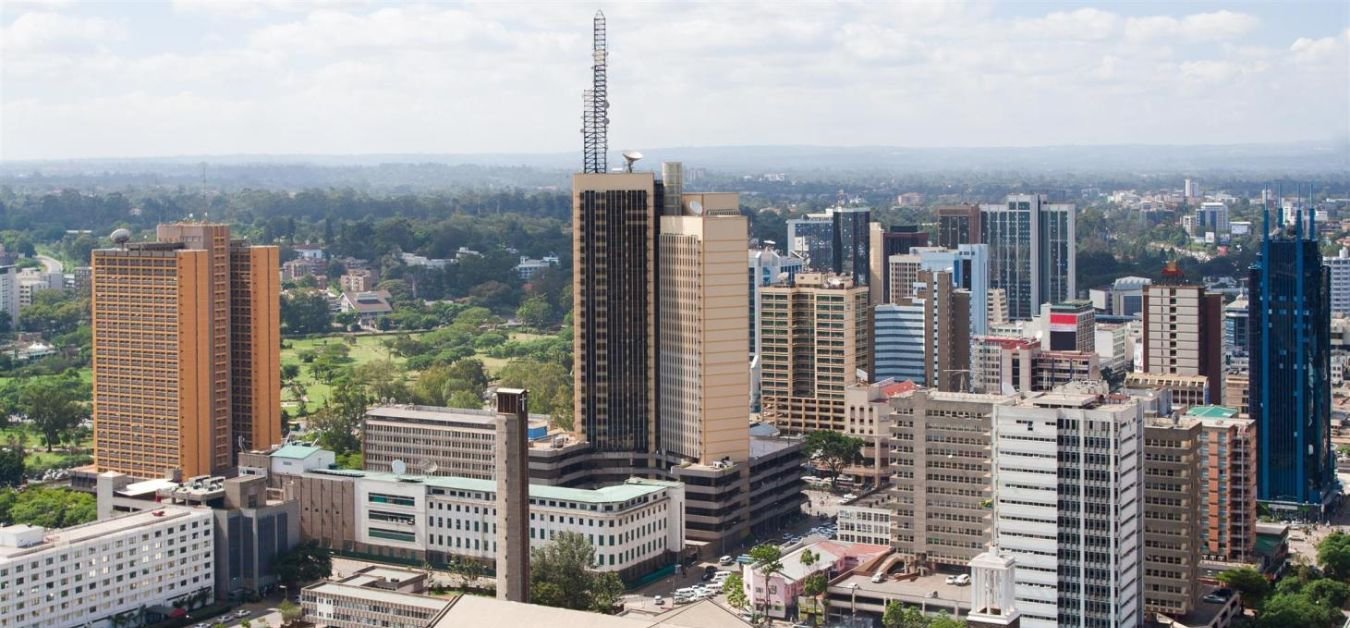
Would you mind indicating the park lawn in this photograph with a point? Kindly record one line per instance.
(367, 349)
(35, 452)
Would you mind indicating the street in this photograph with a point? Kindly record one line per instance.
(49, 264)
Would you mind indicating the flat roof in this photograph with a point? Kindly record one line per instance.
(147, 487)
(96, 529)
(762, 446)
(615, 493)
(1212, 412)
(484, 418)
(297, 452)
(916, 590)
(380, 595)
(473, 610)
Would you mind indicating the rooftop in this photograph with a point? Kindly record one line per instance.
(1212, 412)
(338, 589)
(107, 527)
(476, 416)
(296, 452)
(616, 493)
(929, 590)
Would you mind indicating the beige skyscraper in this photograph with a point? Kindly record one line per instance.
(704, 379)
(166, 354)
(816, 339)
(1183, 335)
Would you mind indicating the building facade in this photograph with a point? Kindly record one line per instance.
(816, 339)
(1228, 484)
(186, 352)
(1172, 502)
(897, 240)
(1032, 255)
(1289, 324)
(104, 573)
(704, 381)
(614, 222)
(457, 442)
(958, 224)
(1068, 493)
(1183, 335)
(941, 475)
(1338, 268)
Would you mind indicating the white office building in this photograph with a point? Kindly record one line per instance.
(9, 294)
(1067, 504)
(639, 523)
(104, 573)
(1340, 280)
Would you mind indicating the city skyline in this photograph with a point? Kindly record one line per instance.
(86, 80)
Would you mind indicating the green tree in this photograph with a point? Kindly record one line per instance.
(765, 560)
(1327, 592)
(734, 587)
(51, 507)
(536, 312)
(1282, 611)
(834, 450)
(1333, 554)
(943, 620)
(53, 406)
(339, 420)
(305, 312)
(1247, 581)
(549, 384)
(302, 564)
(11, 462)
(290, 612)
(289, 372)
(899, 615)
(562, 574)
(350, 460)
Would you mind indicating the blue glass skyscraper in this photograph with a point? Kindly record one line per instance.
(1289, 328)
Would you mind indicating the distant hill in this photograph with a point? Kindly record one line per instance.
(412, 171)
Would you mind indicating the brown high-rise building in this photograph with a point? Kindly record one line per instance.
(1183, 334)
(614, 225)
(168, 351)
(958, 224)
(816, 339)
(1171, 513)
(898, 240)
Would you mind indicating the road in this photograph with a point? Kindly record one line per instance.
(51, 264)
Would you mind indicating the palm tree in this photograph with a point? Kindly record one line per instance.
(767, 561)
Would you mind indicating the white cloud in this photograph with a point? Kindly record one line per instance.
(42, 30)
(1216, 26)
(494, 77)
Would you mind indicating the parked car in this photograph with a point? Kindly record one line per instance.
(658, 600)
(951, 580)
(1218, 596)
(878, 577)
(963, 579)
(726, 560)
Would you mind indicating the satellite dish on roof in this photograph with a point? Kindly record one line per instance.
(696, 208)
(121, 236)
(399, 467)
(631, 156)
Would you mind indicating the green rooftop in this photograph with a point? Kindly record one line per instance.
(1212, 412)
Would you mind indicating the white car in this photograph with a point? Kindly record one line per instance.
(963, 579)
(878, 577)
(951, 580)
(658, 601)
(726, 560)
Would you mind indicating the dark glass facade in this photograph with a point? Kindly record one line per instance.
(615, 311)
(1289, 325)
(852, 244)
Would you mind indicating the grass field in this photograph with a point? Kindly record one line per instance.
(366, 349)
(35, 452)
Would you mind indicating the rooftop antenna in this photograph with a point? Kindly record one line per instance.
(631, 157)
(595, 110)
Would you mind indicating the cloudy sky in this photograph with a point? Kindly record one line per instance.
(211, 77)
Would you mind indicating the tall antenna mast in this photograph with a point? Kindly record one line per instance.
(595, 117)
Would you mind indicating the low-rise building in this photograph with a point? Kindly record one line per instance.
(1187, 390)
(528, 268)
(358, 280)
(375, 597)
(865, 520)
(777, 592)
(105, 573)
(369, 306)
(635, 527)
